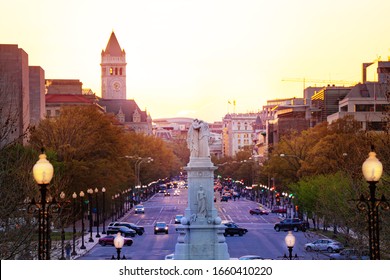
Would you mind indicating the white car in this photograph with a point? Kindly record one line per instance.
(139, 209)
(324, 245)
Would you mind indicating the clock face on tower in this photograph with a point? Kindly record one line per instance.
(116, 86)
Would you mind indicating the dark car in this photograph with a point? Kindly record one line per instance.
(224, 198)
(232, 229)
(350, 254)
(160, 227)
(167, 194)
(258, 212)
(138, 229)
(291, 224)
(279, 210)
(125, 231)
(109, 240)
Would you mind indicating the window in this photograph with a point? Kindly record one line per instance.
(120, 71)
(116, 71)
(48, 113)
(111, 71)
(57, 113)
(364, 108)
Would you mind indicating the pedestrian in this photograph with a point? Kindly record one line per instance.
(67, 250)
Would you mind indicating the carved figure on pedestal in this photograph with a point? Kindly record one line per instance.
(201, 198)
(198, 139)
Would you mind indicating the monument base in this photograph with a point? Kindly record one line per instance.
(201, 233)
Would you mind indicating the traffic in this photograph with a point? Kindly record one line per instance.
(247, 235)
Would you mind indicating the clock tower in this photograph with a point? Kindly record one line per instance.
(113, 68)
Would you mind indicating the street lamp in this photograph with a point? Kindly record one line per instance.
(97, 212)
(90, 192)
(372, 171)
(74, 196)
(82, 220)
(104, 210)
(290, 242)
(43, 173)
(62, 204)
(119, 241)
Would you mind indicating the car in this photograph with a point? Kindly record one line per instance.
(294, 224)
(329, 245)
(224, 198)
(125, 231)
(160, 227)
(251, 257)
(109, 240)
(258, 212)
(138, 229)
(170, 257)
(139, 209)
(167, 194)
(176, 193)
(350, 254)
(178, 219)
(233, 229)
(279, 210)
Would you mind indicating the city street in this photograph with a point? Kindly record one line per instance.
(261, 238)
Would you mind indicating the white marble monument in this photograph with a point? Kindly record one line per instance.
(200, 233)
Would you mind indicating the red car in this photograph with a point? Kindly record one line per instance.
(109, 240)
(279, 210)
(258, 212)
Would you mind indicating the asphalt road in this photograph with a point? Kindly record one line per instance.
(261, 238)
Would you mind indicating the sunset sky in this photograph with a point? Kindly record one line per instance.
(188, 58)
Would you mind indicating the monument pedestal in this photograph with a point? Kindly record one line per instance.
(201, 233)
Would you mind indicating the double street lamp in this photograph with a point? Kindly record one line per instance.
(372, 171)
(90, 192)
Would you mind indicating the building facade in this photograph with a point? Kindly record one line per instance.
(21, 94)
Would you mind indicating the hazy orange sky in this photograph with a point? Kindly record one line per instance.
(188, 58)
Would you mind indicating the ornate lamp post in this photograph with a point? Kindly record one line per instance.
(43, 173)
(74, 196)
(290, 242)
(90, 192)
(62, 205)
(97, 213)
(119, 241)
(372, 170)
(104, 209)
(82, 220)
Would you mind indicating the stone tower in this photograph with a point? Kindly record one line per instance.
(113, 68)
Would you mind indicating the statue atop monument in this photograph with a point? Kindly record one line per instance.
(198, 139)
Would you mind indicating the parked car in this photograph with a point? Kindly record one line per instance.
(280, 210)
(139, 209)
(170, 257)
(160, 227)
(350, 254)
(176, 193)
(178, 219)
(224, 198)
(167, 194)
(294, 224)
(251, 257)
(125, 231)
(138, 229)
(109, 240)
(324, 245)
(258, 212)
(232, 229)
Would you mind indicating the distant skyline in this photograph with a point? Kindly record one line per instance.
(189, 58)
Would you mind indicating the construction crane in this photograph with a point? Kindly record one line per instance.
(326, 82)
